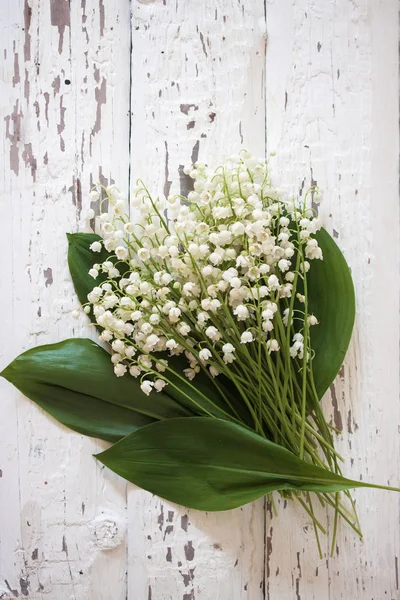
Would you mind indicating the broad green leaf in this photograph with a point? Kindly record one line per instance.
(211, 464)
(74, 381)
(331, 299)
(81, 259)
(200, 396)
(82, 413)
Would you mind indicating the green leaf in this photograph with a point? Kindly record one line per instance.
(201, 396)
(211, 464)
(331, 298)
(82, 413)
(81, 259)
(74, 381)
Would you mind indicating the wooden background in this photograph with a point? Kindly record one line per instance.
(110, 90)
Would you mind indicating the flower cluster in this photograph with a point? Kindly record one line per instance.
(211, 296)
(218, 276)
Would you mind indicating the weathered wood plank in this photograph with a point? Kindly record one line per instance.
(332, 114)
(64, 117)
(198, 91)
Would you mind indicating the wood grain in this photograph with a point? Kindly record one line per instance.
(113, 90)
(64, 121)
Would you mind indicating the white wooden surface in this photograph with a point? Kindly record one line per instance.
(112, 90)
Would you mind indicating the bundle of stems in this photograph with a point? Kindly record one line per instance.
(221, 277)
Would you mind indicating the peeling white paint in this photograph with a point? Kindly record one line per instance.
(104, 90)
(63, 518)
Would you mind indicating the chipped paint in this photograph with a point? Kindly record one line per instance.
(13, 592)
(188, 577)
(203, 44)
(96, 74)
(337, 417)
(16, 77)
(26, 86)
(14, 120)
(189, 551)
(160, 518)
(268, 553)
(27, 25)
(195, 152)
(61, 124)
(48, 276)
(24, 585)
(30, 160)
(56, 85)
(46, 97)
(185, 108)
(64, 137)
(184, 522)
(83, 7)
(168, 530)
(185, 182)
(167, 182)
(60, 15)
(101, 99)
(102, 17)
(76, 191)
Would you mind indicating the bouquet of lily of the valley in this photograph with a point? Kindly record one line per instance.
(225, 316)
